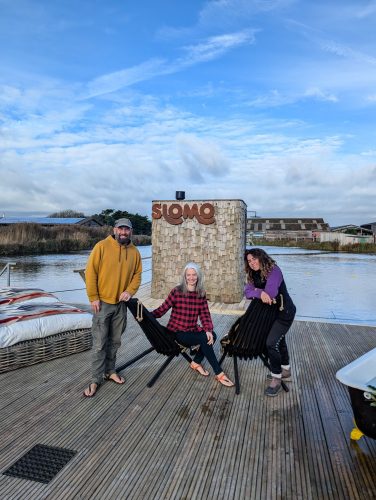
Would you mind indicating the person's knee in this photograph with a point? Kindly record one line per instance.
(116, 344)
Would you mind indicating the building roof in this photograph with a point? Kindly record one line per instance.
(340, 229)
(286, 224)
(52, 221)
(41, 220)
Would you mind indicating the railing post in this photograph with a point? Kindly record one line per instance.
(7, 269)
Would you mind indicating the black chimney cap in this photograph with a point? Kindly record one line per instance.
(180, 195)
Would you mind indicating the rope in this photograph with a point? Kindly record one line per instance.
(139, 314)
(281, 307)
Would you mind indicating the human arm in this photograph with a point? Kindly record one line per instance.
(270, 291)
(91, 275)
(251, 292)
(273, 282)
(165, 306)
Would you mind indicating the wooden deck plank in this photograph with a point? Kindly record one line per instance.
(189, 437)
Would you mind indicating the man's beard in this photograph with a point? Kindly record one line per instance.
(123, 240)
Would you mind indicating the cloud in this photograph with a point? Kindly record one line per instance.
(224, 12)
(222, 15)
(320, 94)
(209, 49)
(367, 11)
(216, 46)
(342, 50)
(201, 158)
(114, 81)
(284, 138)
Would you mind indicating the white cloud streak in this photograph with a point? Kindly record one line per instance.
(210, 49)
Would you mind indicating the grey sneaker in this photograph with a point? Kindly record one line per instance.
(286, 375)
(274, 388)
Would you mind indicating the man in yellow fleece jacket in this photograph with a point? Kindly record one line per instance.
(113, 276)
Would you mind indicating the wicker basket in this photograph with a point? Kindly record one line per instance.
(35, 351)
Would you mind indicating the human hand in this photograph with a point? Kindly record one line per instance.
(266, 298)
(210, 338)
(125, 296)
(95, 306)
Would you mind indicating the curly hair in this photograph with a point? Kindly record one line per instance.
(266, 263)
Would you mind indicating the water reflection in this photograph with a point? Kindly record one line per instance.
(325, 287)
(55, 273)
(332, 286)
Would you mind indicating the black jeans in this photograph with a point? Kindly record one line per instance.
(205, 350)
(276, 344)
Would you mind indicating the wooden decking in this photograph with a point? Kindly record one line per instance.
(188, 437)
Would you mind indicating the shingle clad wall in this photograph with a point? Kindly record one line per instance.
(217, 247)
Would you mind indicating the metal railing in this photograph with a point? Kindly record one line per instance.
(10, 265)
(81, 272)
(6, 269)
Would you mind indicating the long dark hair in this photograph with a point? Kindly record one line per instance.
(266, 263)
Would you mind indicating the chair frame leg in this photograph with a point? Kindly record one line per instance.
(236, 372)
(160, 371)
(129, 363)
(222, 358)
(284, 386)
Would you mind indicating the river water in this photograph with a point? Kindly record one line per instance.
(327, 287)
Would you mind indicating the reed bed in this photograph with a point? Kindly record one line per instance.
(31, 238)
(329, 246)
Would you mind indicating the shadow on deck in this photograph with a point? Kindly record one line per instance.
(188, 437)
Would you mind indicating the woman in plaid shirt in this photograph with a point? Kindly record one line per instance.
(188, 303)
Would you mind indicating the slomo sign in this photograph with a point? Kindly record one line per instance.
(174, 213)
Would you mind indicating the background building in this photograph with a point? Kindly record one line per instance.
(284, 228)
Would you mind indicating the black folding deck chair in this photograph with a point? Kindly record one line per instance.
(160, 339)
(247, 336)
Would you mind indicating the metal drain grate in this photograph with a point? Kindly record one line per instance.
(41, 463)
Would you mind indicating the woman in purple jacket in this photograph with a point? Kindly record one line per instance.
(265, 282)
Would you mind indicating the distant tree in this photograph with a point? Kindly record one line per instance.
(66, 214)
(141, 224)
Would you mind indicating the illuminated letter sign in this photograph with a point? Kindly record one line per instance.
(175, 213)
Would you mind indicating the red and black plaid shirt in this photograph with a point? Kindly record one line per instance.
(186, 310)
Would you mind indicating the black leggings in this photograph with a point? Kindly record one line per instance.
(205, 350)
(276, 345)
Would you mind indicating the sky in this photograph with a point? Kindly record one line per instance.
(116, 103)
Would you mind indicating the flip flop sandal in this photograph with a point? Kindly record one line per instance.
(224, 380)
(108, 377)
(199, 368)
(93, 394)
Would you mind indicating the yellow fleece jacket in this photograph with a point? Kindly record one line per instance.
(111, 270)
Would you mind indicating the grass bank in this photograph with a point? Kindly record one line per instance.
(329, 246)
(34, 239)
